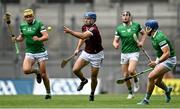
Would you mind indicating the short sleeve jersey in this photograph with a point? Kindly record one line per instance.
(93, 44)
(125, 33)
(30, 30)
(160, 40)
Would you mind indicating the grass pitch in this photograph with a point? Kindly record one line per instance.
(81, 101)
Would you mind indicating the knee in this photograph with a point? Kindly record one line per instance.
(26, 71)
(157, 81)
(44, 75)
(75, 70)
(151, 78)
(131, 71)
(126, 75)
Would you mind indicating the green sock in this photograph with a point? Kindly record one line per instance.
(130, 90)
(148, 95)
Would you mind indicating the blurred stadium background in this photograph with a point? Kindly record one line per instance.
(56, 13)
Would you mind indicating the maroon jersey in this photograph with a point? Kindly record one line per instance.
(93, 44)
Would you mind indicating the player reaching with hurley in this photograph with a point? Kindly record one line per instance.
(93, 52)
(34, 34)
(129, 48)
(166, 60)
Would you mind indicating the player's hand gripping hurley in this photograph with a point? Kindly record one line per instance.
(65, 61)
(142, 48)
(7, 19)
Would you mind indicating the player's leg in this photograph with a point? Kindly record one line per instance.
(124, 68)
(132, 71)
(96, 62)
(79, 64)
(44, 75)
(28, 62)
(133, 61)
(163, 86)
(94, 82)
(27, 65)
(42, 57)
(128, 83)
(153, 75)
(168, 75)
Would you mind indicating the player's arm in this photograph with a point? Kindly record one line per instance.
(79, 35)
(19, 38)
(166, 53)
(80, 43)
(44, 33)
(143, 38)
(44, 37)
(116, 42)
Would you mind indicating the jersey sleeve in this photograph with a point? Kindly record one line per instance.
(140, 28)
(116, 33)
(21, 31)
(162, 42)
(92, 30)
(41, 27)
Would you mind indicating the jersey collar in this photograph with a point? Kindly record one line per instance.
(124, 24)
(32, 22)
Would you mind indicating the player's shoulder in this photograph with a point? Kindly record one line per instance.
(160, 35)
(38, 21)
(23, 24)
(120, 26)
(135, 23)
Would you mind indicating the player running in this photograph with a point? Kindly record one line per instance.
(129, 48)
(34, 33)
(166, 60)
(93, 52)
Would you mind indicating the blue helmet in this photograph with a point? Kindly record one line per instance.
(152, 24)
(90, 14)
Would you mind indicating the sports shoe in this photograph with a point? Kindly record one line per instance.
(91, 98)
(130, 96)
(80, 87)
(136, 86)
(143, 102)
(48, 96)
(168, 94)
(38, 76)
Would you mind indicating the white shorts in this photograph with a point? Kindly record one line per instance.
(94, 59)
(38, 56)
(170, 63)
(125, 57)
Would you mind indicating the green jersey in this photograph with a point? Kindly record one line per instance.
(159, 40)
(125, 33)
(30, 30)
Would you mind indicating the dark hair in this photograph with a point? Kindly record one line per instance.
(128, 12)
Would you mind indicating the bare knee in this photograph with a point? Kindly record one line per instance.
(151, 78)
(75, 70)
(44, 75)
(126, 75)
(26, 71)
(131, 72)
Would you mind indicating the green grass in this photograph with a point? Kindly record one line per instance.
(81, 101)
